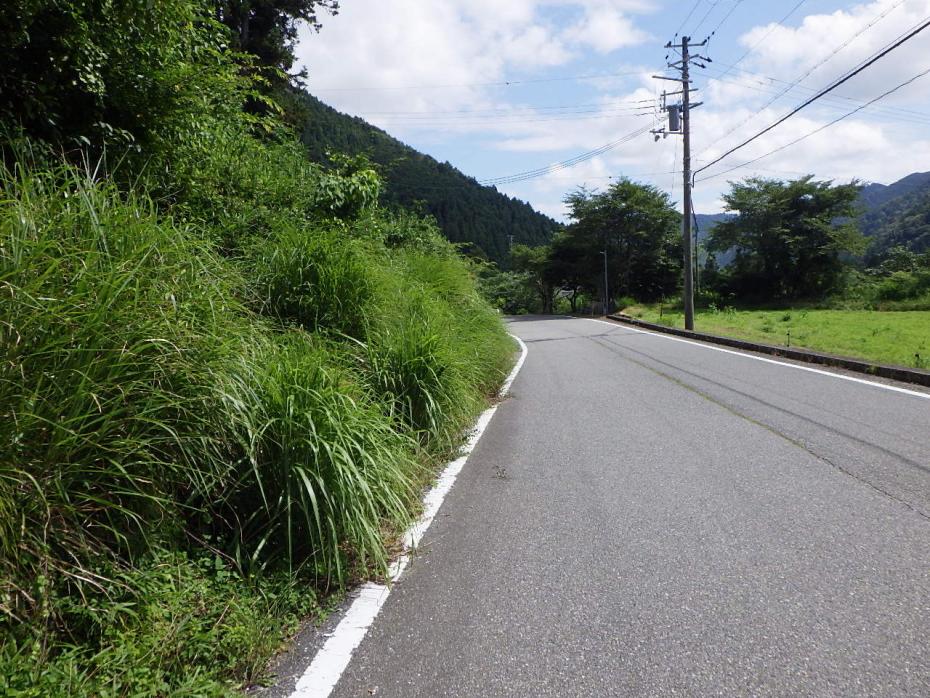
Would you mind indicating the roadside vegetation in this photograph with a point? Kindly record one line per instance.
(227, 372)
(797, 269)
(901, 338)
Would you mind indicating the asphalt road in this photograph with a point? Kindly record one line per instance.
(647, 517)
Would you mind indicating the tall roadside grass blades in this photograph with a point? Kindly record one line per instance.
(170, 415)
(317, 280)
(329, 476)
(109, 318)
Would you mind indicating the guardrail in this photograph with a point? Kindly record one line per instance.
(899, 373)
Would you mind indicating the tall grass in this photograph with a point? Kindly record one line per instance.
(319, 280)
(273, 411)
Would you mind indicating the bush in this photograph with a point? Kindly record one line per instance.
(157, 625)
(903, 285)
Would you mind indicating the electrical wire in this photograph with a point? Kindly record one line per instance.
(565, 164)
(836, 83)
(499, 83)
(797, 81)
(769, 32)
(725, 18)
(685, 20)
(511, 109)
(515, 118)
(817, 130)
(838, 100)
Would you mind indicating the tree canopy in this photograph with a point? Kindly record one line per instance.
(788, 238)
(267, 29)
(639, 229)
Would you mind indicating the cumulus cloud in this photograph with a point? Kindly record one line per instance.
(457, 52)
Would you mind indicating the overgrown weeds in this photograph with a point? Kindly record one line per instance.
(163, 403)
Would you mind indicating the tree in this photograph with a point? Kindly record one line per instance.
(75, 73)
(535, 263)
(267, 29)
(638, 228)
(788, 237)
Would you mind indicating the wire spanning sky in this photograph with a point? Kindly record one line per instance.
(500, 89)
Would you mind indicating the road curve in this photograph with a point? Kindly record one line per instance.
(649, 517)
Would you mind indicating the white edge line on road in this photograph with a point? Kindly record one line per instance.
(669, 337)
(331, 660)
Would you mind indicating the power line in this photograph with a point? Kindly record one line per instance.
(512, 109)
(565, 164)
(685, 20)
(821, 128)
(797, 81)
(838, 100)
(836, 83)
(498, 83)
(769, 32)
(523, 118)
(713, 6)
(736, 4)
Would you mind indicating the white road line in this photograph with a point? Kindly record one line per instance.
(330, 662)
(883, 386)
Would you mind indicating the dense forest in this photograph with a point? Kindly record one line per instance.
(228, 371)
(480, 217)
(897, 215)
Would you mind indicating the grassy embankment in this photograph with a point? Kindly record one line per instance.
(901, 338)
(227, 375)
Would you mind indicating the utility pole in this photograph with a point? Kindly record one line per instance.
(686, 166)
(684, 66)
(606, 292)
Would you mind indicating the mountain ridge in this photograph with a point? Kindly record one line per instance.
(480, 218)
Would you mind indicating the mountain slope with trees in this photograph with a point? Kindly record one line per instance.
(897, 215)
(480, 217)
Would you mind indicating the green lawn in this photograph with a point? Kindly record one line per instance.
(883, 337)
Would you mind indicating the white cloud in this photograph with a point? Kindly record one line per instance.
(397, 44)
(605, 29)
(459, 46)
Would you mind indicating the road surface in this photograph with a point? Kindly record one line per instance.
(651, 517)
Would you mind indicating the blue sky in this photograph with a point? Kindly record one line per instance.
(498, 87)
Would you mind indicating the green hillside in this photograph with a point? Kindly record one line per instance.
(899, 220)
(467, 212)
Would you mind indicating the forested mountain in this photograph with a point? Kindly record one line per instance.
(897, 215)
(876, 195)
(467, 212)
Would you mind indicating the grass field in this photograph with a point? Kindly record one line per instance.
(901, 338)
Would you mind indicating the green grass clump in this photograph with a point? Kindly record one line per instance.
(318, 281)
(327, 471)
(435, 353)
(171, 625)
(891, 337)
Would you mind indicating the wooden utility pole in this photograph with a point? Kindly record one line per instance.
(684, 66)
(686, 166)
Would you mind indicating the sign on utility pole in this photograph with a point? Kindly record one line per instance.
(684, 110)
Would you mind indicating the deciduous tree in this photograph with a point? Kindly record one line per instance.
(788, 237)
